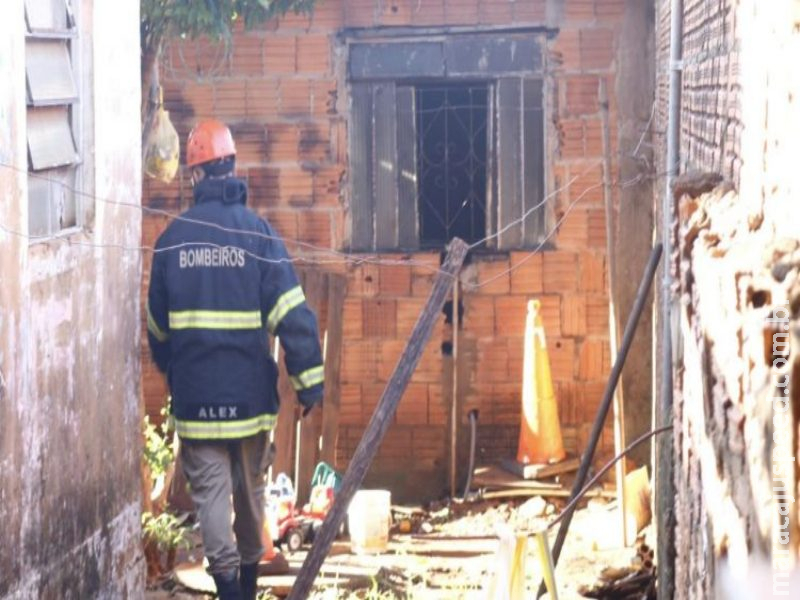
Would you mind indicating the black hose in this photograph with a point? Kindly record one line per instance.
(473, 426)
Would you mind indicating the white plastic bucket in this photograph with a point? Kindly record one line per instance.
(368, 520)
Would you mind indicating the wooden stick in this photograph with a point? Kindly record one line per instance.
(381, 419)
(613, 321)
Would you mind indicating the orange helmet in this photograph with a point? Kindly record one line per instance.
(209, 140)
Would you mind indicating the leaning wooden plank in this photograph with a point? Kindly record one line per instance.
(381, 419)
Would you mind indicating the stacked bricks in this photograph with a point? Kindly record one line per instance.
(282, 90)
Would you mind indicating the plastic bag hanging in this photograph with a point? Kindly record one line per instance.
(162, 148)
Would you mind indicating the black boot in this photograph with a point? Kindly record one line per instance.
(228, 587)
(248, 576)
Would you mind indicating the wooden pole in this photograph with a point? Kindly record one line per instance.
(454, 405)
(613, 322)
(605, 403)
(381, 419)
(333, 361)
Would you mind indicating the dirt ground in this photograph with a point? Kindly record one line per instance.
(449, 553)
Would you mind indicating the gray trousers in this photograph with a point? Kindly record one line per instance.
(226, 481)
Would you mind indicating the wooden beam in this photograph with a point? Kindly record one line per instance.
(381, 419)
(337, 285)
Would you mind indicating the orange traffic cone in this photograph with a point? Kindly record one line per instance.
(540, 432)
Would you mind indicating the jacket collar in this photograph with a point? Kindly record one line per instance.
(228, 191)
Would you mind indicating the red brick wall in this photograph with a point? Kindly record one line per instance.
(281, 92)
(738, 118)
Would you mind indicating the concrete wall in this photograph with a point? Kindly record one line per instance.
(736, 265)
(69, 337)
(283, 92)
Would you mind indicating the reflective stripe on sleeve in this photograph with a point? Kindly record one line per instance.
(224, 430)
(152, 327)
(215, 319)
(308, 378)
(289, 300)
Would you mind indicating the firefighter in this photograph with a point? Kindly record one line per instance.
(221, 282)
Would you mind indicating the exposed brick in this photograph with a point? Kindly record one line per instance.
(327, 185)
(313, 53)
(506, 403)
(408, 312)
(283, 141)
(567, 48)
(569, 397)
(327, 15)
(230, 100)
(293, 21)
(593, 272)
(573, 233)
(570, 136)
(359, 13)
(551, 314)
(562, 358)
(496, 12)
(395, 280)
(262, 185)
(261, 99)
(429, 12)
(429, 369)
(492, 361)
(395, 12)
(560, 271)
(461, 12)
(597, 48)
(359, 364)
(573, 315)
(314, 142)
(390, 352)
(315, 227)
(597, 228)
(295, 186)
(530, 11)
(413, 407)
(587, 185)
(200, 97)
(579, 10)
(610, 9)
(515, 348)
(429, 442)
(352, 319)
(364, 280)
(437, 407)
(248, 54)
(350, 404)
(284, 222)
(526, 276)
(323, 100)
(593, 360)
(582, 95)
(493, 277)
(511, 312)
(280, 54)
(479, 316)
(380, 318)
(250, 145)
(295, 97)
(592, 396)
(597, 315)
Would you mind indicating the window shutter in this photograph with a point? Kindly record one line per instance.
(384, 165)
(520, 163)
(407, 191)
(361, 201)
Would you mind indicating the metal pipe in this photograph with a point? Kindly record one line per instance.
(665, 486)
(608, 394)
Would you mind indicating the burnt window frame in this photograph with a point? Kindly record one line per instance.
(382, 74)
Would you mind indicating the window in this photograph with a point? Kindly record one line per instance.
(447, 139)
(52, 98)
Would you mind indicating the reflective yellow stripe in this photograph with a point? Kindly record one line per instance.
(224, 430)
(215, 319)
(152, 327)
(291, 299)
(308, 378)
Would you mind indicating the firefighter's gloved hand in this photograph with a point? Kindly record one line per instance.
(310, 403)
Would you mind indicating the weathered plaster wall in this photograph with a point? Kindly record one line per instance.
(282, 92)
(736, 263)
(69, 412)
